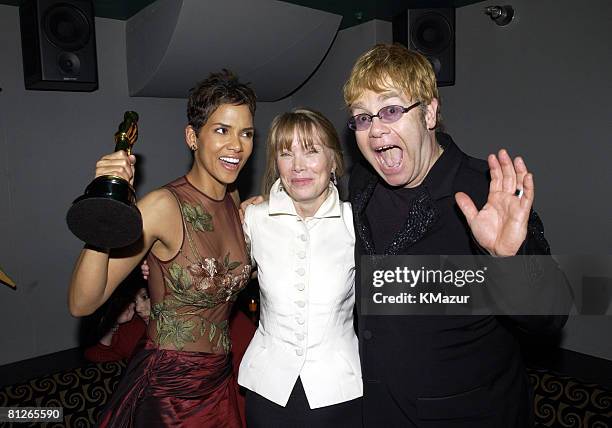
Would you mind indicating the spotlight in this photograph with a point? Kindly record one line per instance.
(502, 15)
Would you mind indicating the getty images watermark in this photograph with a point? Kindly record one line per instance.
(485, 285)
(419, 277)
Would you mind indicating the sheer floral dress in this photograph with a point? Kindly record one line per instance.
(182, 374)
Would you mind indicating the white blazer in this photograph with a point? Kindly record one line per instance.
(306, 272)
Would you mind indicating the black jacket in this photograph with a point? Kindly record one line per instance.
(442, 371)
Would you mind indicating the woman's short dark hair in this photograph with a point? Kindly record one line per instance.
(219, 88)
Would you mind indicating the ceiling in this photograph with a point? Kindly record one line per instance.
(353, 12)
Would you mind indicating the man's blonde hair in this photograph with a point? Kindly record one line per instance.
(392, 66)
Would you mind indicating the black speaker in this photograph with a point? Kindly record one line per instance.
(59, 45)
(432, 33)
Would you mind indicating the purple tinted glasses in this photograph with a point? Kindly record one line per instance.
(388, 114)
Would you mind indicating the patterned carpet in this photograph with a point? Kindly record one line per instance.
(560, 401)
(81, 392)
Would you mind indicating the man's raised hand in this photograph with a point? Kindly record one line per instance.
(500, 227)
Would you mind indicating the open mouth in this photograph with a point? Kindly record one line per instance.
(389, 157)
(229, 162)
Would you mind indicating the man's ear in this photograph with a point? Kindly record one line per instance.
(431, 114)
(191, 139)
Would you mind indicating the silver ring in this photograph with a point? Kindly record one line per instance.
(518, 193)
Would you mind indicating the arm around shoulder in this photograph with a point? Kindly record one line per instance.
(247, 225)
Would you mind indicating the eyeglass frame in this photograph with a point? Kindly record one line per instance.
(353, 121)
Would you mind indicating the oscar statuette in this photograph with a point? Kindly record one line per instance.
(106, 215)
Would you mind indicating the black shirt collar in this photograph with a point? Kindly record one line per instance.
(438, 182)
(440, 178)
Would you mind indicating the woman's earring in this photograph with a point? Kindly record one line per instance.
(333, 178)
(194, 148)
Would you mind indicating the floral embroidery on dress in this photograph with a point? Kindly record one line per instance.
(204, 273)
(199, 286)
(202, 277)
(200, 220)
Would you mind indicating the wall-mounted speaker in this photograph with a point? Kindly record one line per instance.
(432, 33)
(58, 44)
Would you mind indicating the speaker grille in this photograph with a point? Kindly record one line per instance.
(66, 27)
(69, 63)
(58, 45)
(431, 33)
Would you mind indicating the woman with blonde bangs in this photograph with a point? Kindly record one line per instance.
(302, 366)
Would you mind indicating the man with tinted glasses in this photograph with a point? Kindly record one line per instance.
(419, 193)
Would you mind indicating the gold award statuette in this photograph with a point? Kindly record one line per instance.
(106, 216)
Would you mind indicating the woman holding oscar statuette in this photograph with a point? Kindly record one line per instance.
(195, 247)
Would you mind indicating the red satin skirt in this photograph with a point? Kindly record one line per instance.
(166, 388)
